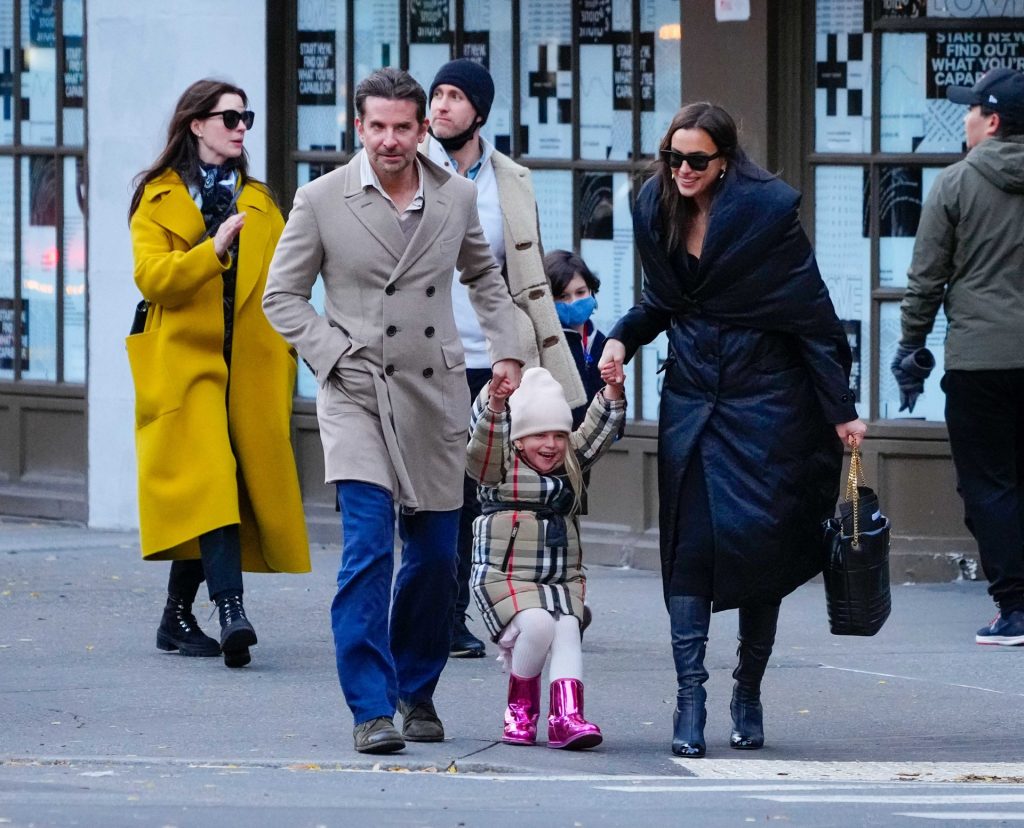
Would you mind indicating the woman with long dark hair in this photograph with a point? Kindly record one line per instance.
(218, 487)
(756, 404)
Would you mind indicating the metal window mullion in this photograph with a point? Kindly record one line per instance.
(58, 107)
(574, 118)
(17, 68)
(873, 305)
(58, 163)
(403, 33)
(457, 36)
(637, 109)
(350, 71)
(515, 144)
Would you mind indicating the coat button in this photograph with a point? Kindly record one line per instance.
(390, 290)
(429, 332)
(430, 291)
(428, 372)
(389, 370)
(392, 330)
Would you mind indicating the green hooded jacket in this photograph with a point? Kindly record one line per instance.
(969, 257)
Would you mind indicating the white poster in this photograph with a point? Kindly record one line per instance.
(546, 79)
(843, 252)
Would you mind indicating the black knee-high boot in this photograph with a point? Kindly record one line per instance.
(690, 617)
(756, 637)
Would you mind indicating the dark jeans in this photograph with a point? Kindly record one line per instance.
(391, 643)
(220, 567)
(985, 417)
(477, 379)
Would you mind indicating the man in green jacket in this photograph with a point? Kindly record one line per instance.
(969, 258)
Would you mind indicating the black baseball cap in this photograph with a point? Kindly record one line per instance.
(1000, 89)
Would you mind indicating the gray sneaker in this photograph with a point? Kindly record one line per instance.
(377, 736)
(420, 722)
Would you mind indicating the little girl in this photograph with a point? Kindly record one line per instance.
(528, 576)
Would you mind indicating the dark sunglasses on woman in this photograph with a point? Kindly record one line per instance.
(698, 161)
(233, 116)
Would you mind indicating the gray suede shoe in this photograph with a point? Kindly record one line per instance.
(420, 722)
(377, 736)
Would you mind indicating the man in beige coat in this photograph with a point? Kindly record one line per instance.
(460, 96)
(386, 232)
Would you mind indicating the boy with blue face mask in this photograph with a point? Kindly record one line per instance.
(573, 287)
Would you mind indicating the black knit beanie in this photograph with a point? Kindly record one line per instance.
(474, 81)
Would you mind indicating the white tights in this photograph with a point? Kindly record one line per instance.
(535, 632)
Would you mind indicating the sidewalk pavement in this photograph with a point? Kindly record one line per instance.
(81, 678)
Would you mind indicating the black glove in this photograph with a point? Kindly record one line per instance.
(911, 367)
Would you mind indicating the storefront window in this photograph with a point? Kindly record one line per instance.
(42, 192)
(584, 170)
(322, 94)
(865, 239)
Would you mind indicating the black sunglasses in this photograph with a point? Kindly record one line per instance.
(233, 116)
(698, 161)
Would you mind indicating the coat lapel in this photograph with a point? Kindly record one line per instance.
(252, 243)
(176, 211)
(373, 212)
(436, 204)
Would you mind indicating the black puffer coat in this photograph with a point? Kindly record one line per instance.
(757, 376)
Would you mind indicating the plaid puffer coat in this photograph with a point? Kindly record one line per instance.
(526, 544)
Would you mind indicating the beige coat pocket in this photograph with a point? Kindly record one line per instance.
(155, 393)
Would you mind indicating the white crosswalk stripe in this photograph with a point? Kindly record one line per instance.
(806, 771)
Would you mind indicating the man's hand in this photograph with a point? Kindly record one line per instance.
(612, 357)
(911, 367)
(505, 376)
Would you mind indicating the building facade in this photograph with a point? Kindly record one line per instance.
(844, 98)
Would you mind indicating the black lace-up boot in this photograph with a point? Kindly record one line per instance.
(180, 631)
(236, 633)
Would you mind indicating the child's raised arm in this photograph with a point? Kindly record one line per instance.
(488, 438)
(605, 416)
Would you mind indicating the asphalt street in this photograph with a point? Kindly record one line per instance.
(98, 727)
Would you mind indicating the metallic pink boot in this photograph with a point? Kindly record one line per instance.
(523, 710)
(566, 726)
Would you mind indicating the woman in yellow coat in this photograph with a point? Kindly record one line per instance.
(218, 488)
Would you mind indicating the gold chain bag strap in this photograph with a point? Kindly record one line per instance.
(853, 478)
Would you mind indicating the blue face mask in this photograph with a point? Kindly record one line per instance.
(574, 314)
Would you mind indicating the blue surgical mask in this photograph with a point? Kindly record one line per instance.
(574, 314)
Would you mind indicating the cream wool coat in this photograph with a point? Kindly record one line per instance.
(540, 332)
(205, 461)
(393, 401)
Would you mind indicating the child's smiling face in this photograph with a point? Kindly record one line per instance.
(544, 452)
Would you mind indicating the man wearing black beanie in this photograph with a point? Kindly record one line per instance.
(460, 101)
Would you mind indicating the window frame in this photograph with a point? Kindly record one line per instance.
(58, 152)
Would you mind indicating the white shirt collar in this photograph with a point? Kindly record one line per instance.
(368, 178)
(440, 155)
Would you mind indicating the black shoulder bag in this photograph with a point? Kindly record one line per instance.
(856, 566)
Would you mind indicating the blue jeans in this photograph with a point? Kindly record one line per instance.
(380, 663)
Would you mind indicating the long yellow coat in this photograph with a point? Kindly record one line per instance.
(207, 458)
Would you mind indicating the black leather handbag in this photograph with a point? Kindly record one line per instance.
(856, 566)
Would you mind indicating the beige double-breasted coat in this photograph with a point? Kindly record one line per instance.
(393, 400)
